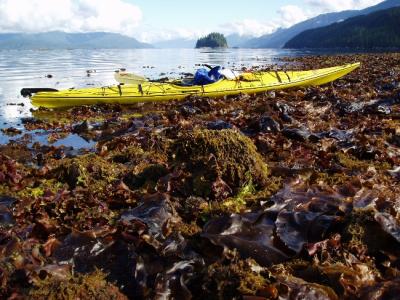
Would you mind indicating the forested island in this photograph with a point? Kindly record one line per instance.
(213, 40)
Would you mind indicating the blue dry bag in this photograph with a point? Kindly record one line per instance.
(203, 77)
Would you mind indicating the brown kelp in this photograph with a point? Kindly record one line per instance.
(285, 195)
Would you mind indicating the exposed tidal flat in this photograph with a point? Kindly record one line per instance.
(284, 195)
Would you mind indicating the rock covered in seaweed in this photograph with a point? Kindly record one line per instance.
(221, 161)
(84, 287)
(225, 154)
(87, 170)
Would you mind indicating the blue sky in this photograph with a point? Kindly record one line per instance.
(156, 20)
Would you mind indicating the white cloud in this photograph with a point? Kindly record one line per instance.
(338, 5)
(248, 27)
(291, 14)
(68, 15)
(288, 16)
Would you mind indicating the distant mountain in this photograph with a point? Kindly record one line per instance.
(234, 40)
(213, 40)
(280, 37)
(63, 40)
(380, 29)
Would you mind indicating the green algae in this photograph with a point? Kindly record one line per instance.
(330, 179)
(40, 188)
(248, 196)
(239, 278)
(351, 162)
(238, 203)
(84, 287)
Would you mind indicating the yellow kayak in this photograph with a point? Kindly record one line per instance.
(247, 83)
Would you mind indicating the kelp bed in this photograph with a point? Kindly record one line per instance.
(287, 195)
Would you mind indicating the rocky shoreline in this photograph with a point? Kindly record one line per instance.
(291, 194)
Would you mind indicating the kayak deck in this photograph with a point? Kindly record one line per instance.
(249, 83)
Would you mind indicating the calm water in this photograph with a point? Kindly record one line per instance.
(68, 68)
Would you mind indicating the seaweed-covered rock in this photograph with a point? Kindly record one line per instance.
(237, 279)
(84, 287)
(86, 170)
(227, 154)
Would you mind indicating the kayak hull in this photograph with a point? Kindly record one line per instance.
(155, 91)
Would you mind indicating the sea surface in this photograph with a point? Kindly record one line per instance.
(62, 69)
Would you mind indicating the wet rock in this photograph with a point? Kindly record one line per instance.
(300, 134)
(382, 106)
(296, 134)
(390, 86)
(6, 216)
(219, 125)
(189, 110)
(11, 131)
(136, 125)
(81, 128)
(284, 111)
(29, 120)
(268, 124)
(340, 135)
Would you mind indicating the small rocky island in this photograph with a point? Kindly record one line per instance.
(213, 40)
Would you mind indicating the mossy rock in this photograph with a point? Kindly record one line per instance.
(84, 287)
(86, 170)
(227, 154)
